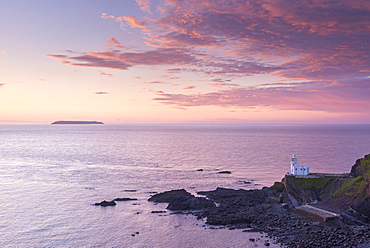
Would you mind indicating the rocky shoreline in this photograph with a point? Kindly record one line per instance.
(258, 211)
(271, 210)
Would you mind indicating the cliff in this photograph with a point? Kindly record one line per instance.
(349, 195)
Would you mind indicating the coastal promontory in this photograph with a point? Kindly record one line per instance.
(317, 210)
(77, 122)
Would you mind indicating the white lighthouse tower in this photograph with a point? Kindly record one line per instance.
(298, 170)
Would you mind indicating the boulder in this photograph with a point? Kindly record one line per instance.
(125, 199)
(168, 196)
(106, 203)
(224, 172)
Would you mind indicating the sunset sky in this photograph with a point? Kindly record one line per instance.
(185, 61)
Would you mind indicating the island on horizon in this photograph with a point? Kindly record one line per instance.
(77, 122)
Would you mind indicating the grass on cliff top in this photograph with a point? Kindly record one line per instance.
(312, 183)
(351, 187)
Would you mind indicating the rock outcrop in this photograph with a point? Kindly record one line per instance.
(105, 203)
(182, 200)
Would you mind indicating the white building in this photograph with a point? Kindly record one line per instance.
(298, 170)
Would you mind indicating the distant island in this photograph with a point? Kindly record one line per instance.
(77, 122)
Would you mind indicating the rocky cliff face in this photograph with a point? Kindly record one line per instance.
(362, 168)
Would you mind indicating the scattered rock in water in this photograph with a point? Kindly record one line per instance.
(168, 196)
(182, 200)
(224, 172)
(152, 192)
(125, 199)
(158, 212)
(106, 203)
(200, 170)
(129, 190)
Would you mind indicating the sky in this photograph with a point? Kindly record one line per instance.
(185, 61)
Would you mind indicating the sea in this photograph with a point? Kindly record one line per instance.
(51, 176)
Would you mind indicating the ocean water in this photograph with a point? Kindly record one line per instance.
(51, 175)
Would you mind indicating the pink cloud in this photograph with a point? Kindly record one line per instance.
(144, 5)
(132, 22)
(106, 16)
(315, 96)
(305, 33)
(123, 60)
(174, 70)
(156, 82)
(219, 85)
(113, 42)
(325, 43)
(105, 74)
(190, 87)
(160, 82)
(101, 93)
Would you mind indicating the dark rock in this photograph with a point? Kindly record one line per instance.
(224, 172)
(158, 212)
(125, 199)
(168, 196)
(190, 203)
(106, 203)
(200, 170)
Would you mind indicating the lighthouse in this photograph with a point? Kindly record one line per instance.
(298, 170)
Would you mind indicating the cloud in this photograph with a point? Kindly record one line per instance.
(144, 5)
(2, 51)
(117, 59)
(327, 96)
(174, 70)
(1, 84)
(106, 16)
(291, 39)
(132, 22)
(91, 60)
(326, 44)
(101, 93)
(308, 39)
(156, 82)
(105, 74)
(161, 83)
(190, 87)
(113, 42)
(219, 85)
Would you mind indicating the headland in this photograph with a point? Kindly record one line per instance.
(314, 210)
(77, 122)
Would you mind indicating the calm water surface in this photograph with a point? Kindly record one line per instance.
(51, 175)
